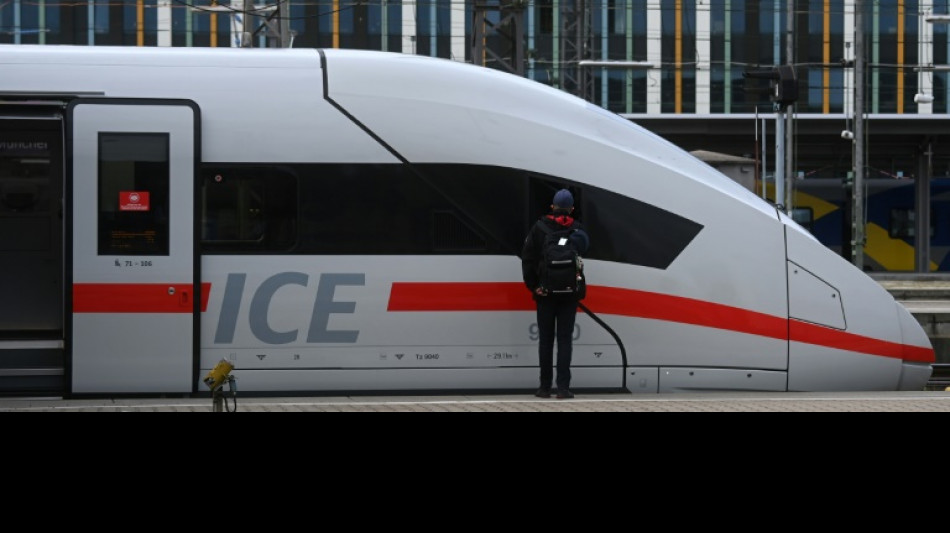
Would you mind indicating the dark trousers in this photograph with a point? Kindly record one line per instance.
(556, 317)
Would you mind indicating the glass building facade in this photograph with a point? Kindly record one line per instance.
(677, 67)
(697, 52)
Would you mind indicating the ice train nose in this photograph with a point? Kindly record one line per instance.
(847, 332)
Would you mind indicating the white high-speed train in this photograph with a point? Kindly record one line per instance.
(339, 220)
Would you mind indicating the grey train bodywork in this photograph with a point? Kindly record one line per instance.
(396, 190)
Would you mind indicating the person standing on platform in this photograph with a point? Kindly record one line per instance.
(555, 237)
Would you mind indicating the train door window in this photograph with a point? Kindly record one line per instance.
(804, 216)
(133, 193)
(247, 209)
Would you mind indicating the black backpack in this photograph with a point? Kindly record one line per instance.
(562, 271)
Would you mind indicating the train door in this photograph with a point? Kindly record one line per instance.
(134, 318)
(31, 249)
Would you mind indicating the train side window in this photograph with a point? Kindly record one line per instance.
(541, 191)
(450, 233)
(398, 209)
(628, 230)
(133, 193)
(247, 209)
(804, 216)
(903, 224)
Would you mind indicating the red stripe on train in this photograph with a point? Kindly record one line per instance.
(833, 338)
(512, 296)
(136, 297)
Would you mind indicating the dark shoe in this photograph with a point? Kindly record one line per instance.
(564, 393)
(543, 393)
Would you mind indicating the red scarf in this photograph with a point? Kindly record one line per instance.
(564, 220)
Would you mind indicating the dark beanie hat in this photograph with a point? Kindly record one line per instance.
(563, 199)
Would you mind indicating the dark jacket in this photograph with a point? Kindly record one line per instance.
(531, 251)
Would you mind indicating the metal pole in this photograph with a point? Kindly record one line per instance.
(789, 126)
(789, 38)
(247, 26)
(922, 220)
(284, 20)
(789, 159)
(857, 221)
(765, 149)
(217, 401)
(758, 173)
(779, 159)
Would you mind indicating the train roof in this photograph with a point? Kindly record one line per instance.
(429, 110)
(158, 56)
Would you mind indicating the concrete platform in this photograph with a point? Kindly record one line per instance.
(906, 402)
